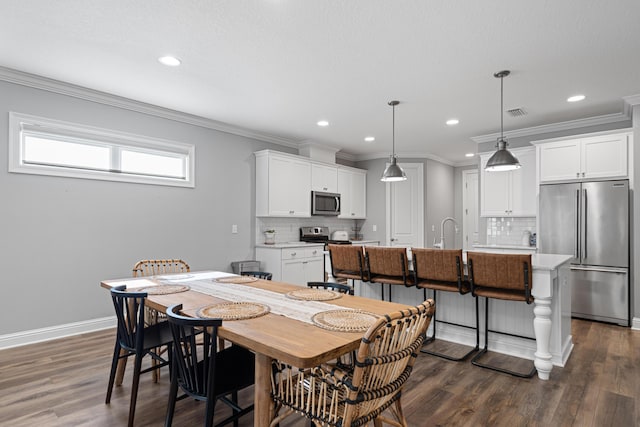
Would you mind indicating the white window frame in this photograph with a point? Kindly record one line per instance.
(22, 124)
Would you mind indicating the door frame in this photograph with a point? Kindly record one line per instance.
(420, 206)
(465, 178)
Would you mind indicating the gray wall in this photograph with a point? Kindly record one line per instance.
(61, 236)
(439, 200)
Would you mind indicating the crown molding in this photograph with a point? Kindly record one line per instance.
(69, 89)
(402, 155)
(556, 127)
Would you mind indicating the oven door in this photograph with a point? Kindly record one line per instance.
(325, 203)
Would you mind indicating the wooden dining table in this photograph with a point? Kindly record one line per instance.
(271, 336)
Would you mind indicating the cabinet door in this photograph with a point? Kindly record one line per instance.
(560, 161)
(352, 187)
(314, 270)
(324, 178)
(523, 184)
(494, 191)
(604, 156)
(293, 271)
(289, 187)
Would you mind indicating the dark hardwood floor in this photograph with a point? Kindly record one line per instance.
(63, 383)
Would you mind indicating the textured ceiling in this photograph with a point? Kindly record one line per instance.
(278, 66)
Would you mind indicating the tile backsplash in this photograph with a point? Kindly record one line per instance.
(288, 229)
(509, 231)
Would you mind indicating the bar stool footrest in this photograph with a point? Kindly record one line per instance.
(521, 374)
(447, 354)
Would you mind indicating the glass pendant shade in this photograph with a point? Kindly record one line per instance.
(393, 172)
(502, 159)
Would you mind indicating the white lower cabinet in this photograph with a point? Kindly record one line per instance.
(297, 265)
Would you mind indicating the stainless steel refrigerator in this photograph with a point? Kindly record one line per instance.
(590, 220)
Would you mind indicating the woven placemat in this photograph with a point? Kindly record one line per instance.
(161, 289)
(236, 279)
(313, 294)
(345, 320)
(233, 310)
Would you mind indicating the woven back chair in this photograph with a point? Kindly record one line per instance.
(330, 396)
(506, 277)
(346, 261)
(387, 265)
(153, 267)
(441, 270)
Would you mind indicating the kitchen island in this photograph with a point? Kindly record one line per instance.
(548, 319)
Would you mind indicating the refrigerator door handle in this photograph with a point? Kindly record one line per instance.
(603, 269)
(586, 210)
(576, 252)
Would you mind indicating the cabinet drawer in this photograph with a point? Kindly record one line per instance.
(293, 253)
(314, 252)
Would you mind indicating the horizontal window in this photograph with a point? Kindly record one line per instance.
(50, 147)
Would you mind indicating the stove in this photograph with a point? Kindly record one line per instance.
(319, 235)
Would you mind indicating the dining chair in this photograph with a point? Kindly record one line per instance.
(204, 373)
(339, 287)
(155, 267)
(330, 396)
(387, 265)
(505, 277)
(442, 270)
(259, 274)
(133, 338)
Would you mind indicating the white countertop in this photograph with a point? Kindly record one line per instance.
(284, 245)
(515, 247)
(541, 261)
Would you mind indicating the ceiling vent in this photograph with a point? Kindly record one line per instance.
(516, 112)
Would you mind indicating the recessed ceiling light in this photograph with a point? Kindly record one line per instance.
(323, 123)
(170, 61)
(576, 98)
(469, 155)
(452, 122)
(370, 139)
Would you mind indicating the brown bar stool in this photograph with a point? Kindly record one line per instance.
(387, 265)
(505, 277)
(441, 270)
(346, 262)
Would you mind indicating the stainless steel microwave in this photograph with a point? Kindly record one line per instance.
(327, 204)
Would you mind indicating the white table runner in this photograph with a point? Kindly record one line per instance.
(278, 303)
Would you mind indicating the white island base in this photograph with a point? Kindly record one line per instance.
(548, 319)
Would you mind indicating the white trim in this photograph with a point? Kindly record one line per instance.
(635, 323)
(54, 332)
(555, 127)
(19, 122)
(69, 89)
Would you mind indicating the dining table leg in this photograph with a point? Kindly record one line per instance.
(263, 406)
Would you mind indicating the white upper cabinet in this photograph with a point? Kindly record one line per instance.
(511, 193)
(283, 185)
(324, 178)
(352, 186)
(587, 157)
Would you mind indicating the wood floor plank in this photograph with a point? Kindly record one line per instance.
(64, 382)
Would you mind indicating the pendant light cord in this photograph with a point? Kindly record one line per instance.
(502, 107)
(393, 132)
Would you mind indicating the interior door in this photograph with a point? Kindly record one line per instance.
(405, 208)
(470, 223)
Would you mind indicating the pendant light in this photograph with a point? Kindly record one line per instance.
(502, 159)
(393, 172)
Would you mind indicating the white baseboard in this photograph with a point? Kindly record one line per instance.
(54, 332)
(635, 323)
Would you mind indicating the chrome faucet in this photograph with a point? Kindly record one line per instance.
(441, 243)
